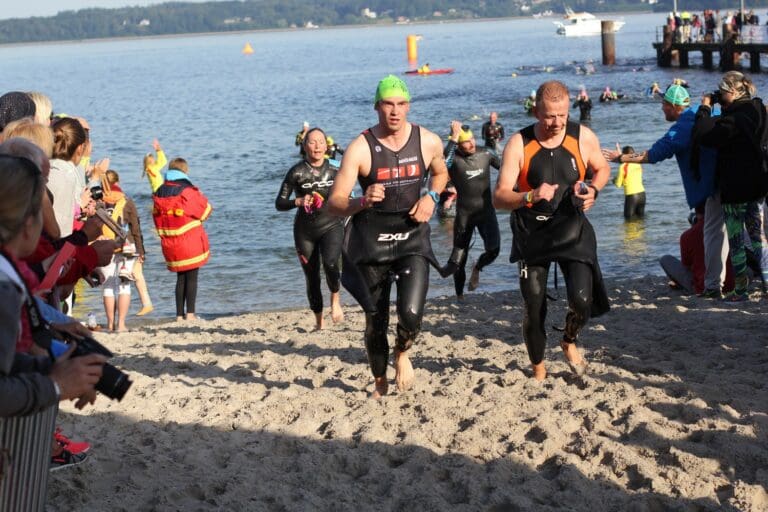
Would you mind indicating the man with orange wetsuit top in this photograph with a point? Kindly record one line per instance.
(542, 181)
(387, 240)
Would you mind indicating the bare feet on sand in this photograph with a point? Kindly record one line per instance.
(403, 371)
(539, 372)
(474, 278)
(381, 387)
(337, 313)
(577, 363)
(319, 324)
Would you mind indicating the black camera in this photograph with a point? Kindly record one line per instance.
(716, 97)
(113, 382)
(97, 193)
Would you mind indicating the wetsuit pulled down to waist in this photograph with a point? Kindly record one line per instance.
(380, 238)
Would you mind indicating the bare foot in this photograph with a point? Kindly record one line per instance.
(577, 363)
(179, 318)
(403, 371)
(337, 314)
(191, 316)
(319, 321)
(381, 387)
(474, 278)
(539, 372)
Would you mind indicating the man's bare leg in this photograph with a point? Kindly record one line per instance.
(337, 313)
(403, 370)
(380, 387)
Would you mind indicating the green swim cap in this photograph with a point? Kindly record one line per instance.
(389, 87)
(677, 95)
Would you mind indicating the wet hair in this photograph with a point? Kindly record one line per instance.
(315, 129)
(739, 84)
(627, 150)
(552, 90)
(43, 107)
(68, 135)
(27, 128)
(21, 187)
(179, 164)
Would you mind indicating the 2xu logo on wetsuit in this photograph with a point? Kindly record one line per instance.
(393, 237)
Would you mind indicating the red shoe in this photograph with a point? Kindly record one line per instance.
(72, 447)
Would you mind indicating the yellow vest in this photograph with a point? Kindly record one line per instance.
(630, 176)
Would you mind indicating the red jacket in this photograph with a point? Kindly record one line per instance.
(179, 211)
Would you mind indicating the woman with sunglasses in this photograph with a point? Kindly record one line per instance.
(316, 232)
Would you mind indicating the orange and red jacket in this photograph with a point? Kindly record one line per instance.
(179, 211)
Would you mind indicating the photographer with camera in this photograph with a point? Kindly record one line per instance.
(30, 386)
(118, 273)
(740, 172)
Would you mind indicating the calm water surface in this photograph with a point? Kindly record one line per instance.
(233, 117)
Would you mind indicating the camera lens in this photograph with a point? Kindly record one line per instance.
(113, 382)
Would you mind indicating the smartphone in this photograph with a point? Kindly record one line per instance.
(583, 188)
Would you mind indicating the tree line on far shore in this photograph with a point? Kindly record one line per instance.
(184, 18)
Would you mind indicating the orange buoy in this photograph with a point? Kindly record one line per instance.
(247, 49)
(411, 46)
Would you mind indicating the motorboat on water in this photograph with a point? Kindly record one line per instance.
(582, 24)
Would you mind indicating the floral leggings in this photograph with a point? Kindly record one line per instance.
(738, 218)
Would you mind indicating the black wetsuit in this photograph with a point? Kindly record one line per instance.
(492, 134)
(314, 230)
(471, 175)
(384, 245)
(541, 227)
(585, 108)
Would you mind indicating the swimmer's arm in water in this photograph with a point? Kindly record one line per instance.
(432, 151)
(356, 163)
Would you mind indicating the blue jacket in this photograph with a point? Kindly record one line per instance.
(677, 142)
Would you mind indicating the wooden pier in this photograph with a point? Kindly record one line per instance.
(728, 52)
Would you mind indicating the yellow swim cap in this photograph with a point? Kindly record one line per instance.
(390, 87)
(329, 140)
(465, 135)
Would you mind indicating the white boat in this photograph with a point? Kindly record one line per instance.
(582, 24)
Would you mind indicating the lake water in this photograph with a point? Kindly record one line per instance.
(234, 117)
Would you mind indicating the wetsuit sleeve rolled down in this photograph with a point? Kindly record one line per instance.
(495, 161)
(283, 202)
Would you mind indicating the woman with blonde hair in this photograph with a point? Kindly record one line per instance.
(153, 166)
(740, 174)
(43, 107)
(121, 270)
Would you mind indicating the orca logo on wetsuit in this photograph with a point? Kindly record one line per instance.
(320, 184)
(393, 237)
(474, 173)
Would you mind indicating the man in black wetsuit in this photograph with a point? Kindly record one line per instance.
(469, 168)
(493, 132)
(387, 239)
(542, 181)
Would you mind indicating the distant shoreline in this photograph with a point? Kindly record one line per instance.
(296, 29)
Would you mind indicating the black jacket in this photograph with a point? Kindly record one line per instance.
(740, 175)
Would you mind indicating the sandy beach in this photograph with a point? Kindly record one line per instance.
(257, 412)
